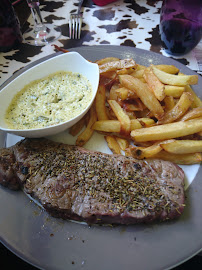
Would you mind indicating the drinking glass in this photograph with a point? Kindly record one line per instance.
(180, 25)
(10, 34)
(41, 34)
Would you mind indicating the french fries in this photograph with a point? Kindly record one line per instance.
(183, 146)
(122, 117)
(143, 92)
(174, 91)
(107, 60)
(138, 73)
(124, 93)
(76, 128)
(145, 112)
(88, 132)
(156, 86)
(197, 101)
(171, 79)
(108, 126)
(145, 152)
(115, 125)
(169, 103)
(167, 131)
(145, 122)
(184, 159)
(100, 103)
(194, 113)
(117, 65)
(168, 68)
(179, 109)
(123, 143)
(113, 144)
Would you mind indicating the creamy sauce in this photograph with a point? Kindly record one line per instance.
(49, 101)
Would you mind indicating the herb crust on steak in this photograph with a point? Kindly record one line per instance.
(74, 183)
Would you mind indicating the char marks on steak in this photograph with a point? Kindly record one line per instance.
(74, 183)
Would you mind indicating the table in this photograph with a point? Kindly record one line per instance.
(124, 23)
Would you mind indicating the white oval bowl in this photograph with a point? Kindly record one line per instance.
(71, 61)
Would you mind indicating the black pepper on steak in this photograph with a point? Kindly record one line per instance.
(74, 183)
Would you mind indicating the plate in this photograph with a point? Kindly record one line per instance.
(50, 243)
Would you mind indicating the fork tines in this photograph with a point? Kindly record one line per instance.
(75, 24)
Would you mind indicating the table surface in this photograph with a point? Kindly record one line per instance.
(124, 22)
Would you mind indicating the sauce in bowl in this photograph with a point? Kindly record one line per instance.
(54, 99)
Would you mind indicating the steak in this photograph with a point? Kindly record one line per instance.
(73, 183)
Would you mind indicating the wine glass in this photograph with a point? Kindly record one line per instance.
(180, 25)
(41, 34)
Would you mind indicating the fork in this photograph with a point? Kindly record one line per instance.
(75, 23)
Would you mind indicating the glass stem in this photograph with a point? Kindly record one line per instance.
(36, 13)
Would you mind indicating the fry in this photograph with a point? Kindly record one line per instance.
(122, 116)
(197, 101)
(108, 78)
(131, 115)
(179, 109)
(146, 122)
(112, 93)
(146, 96)
(116, 65)
(194, 113)
(128, 107)
(135, 124)
(76, 128)
(168, 68)
(154, 84)
(113, 145)
(145, 152)
(138, 73)
(107, 126)
(100, 103)
(167, 131)
(106, 60)
(125, 71)
(184, 159)
(88, 132)
(123, 143)
(124, 93)
(169, 103)
(183, 146)
(174, 91)
(109, 75)
(174, 79)
(114, 125)
(139, 67)
(135, 105)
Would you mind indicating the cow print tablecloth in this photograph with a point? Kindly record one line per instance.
(124, 22)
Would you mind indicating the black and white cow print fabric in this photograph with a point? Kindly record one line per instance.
(124, 23)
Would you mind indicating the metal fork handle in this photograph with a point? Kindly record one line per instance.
(79, 7)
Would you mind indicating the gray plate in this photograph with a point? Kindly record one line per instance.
(50, 243)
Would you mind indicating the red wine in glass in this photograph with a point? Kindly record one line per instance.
(10, 34)
(180, 25)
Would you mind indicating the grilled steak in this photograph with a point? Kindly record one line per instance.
(74, 183)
